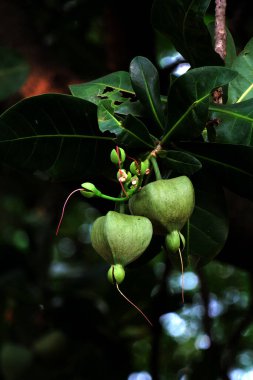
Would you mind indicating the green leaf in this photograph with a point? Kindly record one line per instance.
(183, 24)
(230, 49)
(188, 100)
(183, 163)
(235, 122)
(207, 231)
(13, 72)
(145, 81)
(129, 131)
(56, 135)
(110, 86)
(136, 134)
(231, 164)
(106, 119)
(241, 88)
(115, 87)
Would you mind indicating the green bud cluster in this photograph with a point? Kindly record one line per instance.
(161, 207)
(139, 168)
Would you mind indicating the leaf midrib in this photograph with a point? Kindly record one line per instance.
(60, 136)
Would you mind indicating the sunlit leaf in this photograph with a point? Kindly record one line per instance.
(56, 135)
(115, 87)
(235, 122)
(189, 98)
(241, 88)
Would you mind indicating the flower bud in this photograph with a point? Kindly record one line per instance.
(116, 273)
(89, 190)
(139, 168)
(118, 156)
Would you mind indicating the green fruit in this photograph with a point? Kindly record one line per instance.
(116, 273)
(168, 203)
(121, 238)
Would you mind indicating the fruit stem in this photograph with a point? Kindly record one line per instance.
(182, 267)
(122, 208)
(63, 209)
(114, 199)
(131, 303)
(155, 167)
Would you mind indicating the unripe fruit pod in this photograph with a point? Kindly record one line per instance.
(121, 238)
(168, 203)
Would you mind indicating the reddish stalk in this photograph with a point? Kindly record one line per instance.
(182, 268)
(131, 303)
(63, 209)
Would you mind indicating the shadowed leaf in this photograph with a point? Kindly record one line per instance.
(56, 135)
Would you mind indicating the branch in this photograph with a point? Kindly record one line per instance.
(220, 28)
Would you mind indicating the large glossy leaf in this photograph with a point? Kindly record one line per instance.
(13, 72)
(54, 134)
(188, 100)
(231, 164)
(145, 81)
(182, 21)
(207, 231)
(235, 124)
(129, 131)
(241, 88)
(136, 134)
